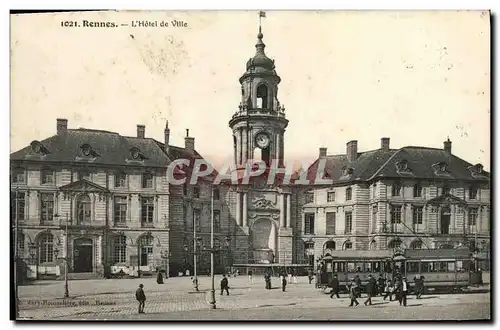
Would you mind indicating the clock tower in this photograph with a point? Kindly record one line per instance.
(262, 211)
(259, 123)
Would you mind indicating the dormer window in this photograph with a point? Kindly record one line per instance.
(476, 170)
(440, 168)
(402, 166)
(136, 154)
(147, 180)
(38, 148)
(88, 151)
(47, 176)
(346, 171)
(84, 175)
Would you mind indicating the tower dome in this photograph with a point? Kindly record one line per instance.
(260, 60)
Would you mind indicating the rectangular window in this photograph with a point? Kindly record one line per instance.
(47, 207)
(330, 223)
(147, 181)
(18, 176)
(196, 192)
(473, 192)
(120, 210)
(395, 214)
(216, 194)
(348, 194)
(120, 180)
(84, 175)
(396, 189)
(348, 223)
(412, 267)
(417, 190)
(309, 197)
(197, 218)
(18, 205)
(147, 210)
(472, 216)
(120, 250)
(47, 249)
(446, 190)
(184, 189)
(417, 215)
(309, 224)
(330, 197)
(47, 176)
(216, 221)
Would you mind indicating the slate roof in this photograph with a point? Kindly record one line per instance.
(111, 148)
(378, 164)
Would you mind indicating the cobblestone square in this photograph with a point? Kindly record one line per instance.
(176, 300)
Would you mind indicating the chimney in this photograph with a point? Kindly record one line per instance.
(352, 150)
(189, 142)
(322, 152)
(447, 145)
(141, 131)
(62, 126)
(166, 132)
(384, 144)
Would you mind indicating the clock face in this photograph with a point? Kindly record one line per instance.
(262, 140)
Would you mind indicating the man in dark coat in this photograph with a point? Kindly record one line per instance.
(224, 285)
(403, 292)
(141, 298)
(419, 285)
(358, 286)
(334, 284)
(369, 290)
(283, 283)
(267, 278)
(374, 285)
(353, 293)
(310, 275)
(159, 277)
(381, 284)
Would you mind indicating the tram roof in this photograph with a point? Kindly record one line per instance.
(437, 253)
(359, 254)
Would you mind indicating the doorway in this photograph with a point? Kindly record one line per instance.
(82, 254)
(445, 221)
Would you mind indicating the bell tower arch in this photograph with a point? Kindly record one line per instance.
(259, 123)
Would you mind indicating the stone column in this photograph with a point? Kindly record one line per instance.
(238, 208)
(278, 149)
(98, 254)
(282, 210)
(245, 210)
(288, 222)
(454, 209)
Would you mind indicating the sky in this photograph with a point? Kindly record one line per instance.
(416, 77)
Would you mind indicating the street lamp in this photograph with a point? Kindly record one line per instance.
(65, 258)
(165, 254)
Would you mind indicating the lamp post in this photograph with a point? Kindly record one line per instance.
(195, 254)
(65, 258)
(165, 255)
(16, 264)
(212, 291)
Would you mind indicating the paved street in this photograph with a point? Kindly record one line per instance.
(174, 300)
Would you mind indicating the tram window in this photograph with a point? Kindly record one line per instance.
(351, 267)
(426, 267)
(466, 265)
(451, 267)
(375, 266)
(460, 265)
(412, 267)
(442, 266)
(340, 267)
(388, 267)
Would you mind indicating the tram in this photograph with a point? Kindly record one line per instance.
(449, 269)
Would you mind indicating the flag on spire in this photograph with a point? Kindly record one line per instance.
(262, 14)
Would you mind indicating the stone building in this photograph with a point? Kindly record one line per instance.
(110, 190)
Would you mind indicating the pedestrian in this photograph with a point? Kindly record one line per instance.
(250, 278)
(159, 277)
(374, 285)
(310, 275)
(403, 292)
(283, 284)
(369, 290)
(267, 278)
(353, 293)
(381, 284)
(335, 287)
(224, 285)
(290, 271)
(294, 275)
(141, 298)
(358, 286)
(389, 290)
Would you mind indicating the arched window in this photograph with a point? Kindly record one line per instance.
(373, 245)
(394, 244)
(416, 244)
(330, 245)
(120, 249)
(83, 209)
(145, 250)
(46, 248)
(347, 245)
(262, 97)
